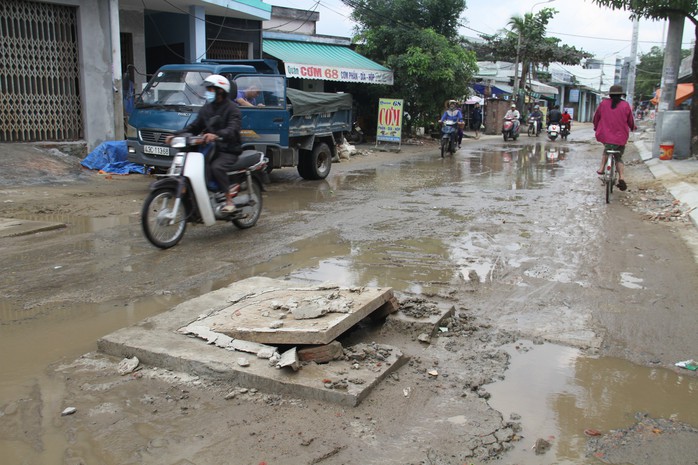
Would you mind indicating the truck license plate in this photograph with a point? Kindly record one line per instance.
(155, 150)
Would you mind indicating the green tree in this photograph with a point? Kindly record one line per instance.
(662, 9)
(649, 73)
(526, 39)
(419, 41)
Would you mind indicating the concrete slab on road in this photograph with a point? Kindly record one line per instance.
(157, 341)
(11, 227)
(294, 315)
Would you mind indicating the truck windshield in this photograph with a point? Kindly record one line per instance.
(175, 88)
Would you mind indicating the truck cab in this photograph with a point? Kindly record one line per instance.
(292, 127)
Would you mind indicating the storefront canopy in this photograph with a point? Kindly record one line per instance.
(683, 93)
(307, 60)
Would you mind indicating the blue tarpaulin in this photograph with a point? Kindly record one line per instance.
(111, 157)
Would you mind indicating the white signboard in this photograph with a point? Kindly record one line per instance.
(333, 73)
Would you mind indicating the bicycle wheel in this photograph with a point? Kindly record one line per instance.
(610, 178)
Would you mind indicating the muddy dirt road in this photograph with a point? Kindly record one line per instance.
(577, 309)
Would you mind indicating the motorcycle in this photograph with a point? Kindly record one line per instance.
(510, 130)
(553, 131)
(533, 127)
(183, 196)
(356, 136)
(564, 130)
(449, 132)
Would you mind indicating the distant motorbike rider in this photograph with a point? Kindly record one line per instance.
(555, 116)
(219, 121)
(514, 115)
(538, 116)
(454, 114)
(566, 119)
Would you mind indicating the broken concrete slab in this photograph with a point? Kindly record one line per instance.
(157, 342)
(256, 317)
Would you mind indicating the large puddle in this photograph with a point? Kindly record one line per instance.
(559, 393)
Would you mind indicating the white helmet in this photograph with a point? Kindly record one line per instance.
(216, 80)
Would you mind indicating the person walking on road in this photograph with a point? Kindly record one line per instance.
(613, 122)
(476, 120)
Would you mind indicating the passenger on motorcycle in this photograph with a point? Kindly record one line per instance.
(566, 119)
(454, 114)
(514, 115)
(219, 121)
(554, 116)
(538, 116)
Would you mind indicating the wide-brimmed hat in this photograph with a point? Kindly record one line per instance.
(616, 90)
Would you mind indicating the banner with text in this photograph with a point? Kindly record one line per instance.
(334, 73)
(389, 120)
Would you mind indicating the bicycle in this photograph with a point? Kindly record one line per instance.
(610, 175)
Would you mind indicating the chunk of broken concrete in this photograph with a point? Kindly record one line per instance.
(424, 337)
(289, 359)
(323, 353)
(251, 347)
(243, 362)
(127, 365)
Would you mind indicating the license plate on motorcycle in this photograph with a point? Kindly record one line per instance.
(155, 150)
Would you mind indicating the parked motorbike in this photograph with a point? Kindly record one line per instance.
(564, 130)
(449, 132)
(510, 130)
(553, 131)
(183, 196)
(356, 136)
(533, 127)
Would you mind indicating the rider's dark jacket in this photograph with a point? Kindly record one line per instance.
(222, 119)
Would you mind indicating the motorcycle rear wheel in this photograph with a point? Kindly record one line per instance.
(252, 212)
(156, 226)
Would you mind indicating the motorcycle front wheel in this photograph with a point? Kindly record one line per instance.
(251, 211)
(531, 131)
(158, 228)
(444, 142)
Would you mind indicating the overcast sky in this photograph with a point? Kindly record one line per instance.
(603, 32)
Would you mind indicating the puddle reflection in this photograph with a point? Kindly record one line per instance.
(566, 393)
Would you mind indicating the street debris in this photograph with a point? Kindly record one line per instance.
(68, 411)
(687, 364)
(128, 365)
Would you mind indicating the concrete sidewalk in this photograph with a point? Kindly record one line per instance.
(680, 177)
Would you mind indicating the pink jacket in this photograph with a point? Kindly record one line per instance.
(613, 125)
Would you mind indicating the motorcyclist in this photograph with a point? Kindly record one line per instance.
(219, 121)
(538, 116)
(514, 115)
(554, 116)
(454, 114)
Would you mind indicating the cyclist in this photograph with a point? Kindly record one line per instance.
(613, 122)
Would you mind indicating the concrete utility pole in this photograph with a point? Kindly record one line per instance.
(672, 61)
(670, 124)
(633, 63)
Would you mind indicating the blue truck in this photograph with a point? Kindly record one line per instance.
(293, 128)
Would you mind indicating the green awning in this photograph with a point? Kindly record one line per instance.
(307, 60)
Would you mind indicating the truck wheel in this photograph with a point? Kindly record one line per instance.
(318, 164)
